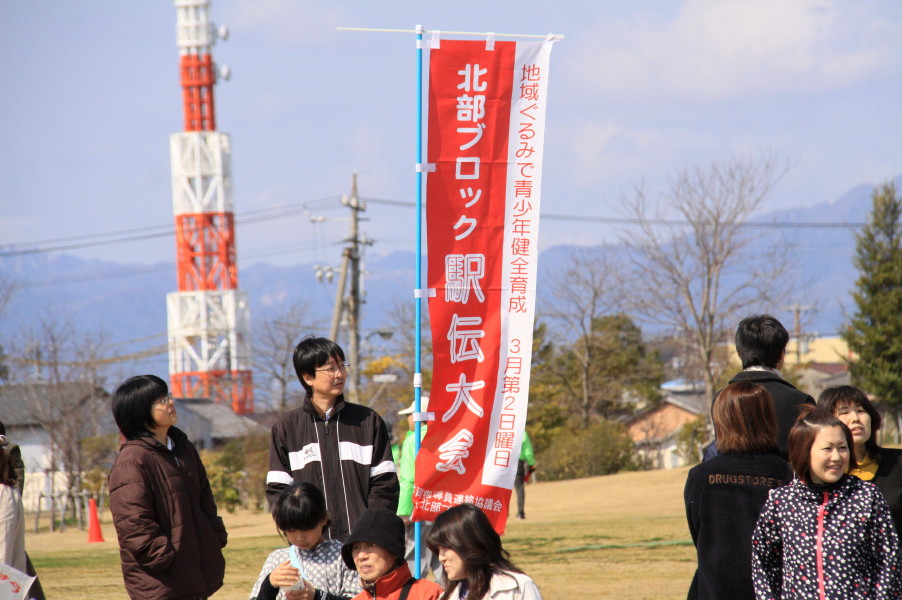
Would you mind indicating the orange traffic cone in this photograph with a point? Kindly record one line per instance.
(94, 534)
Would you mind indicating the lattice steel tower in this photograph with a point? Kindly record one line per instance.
(208, 317)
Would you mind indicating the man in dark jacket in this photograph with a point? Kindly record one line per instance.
(761, 345)
(342, 448)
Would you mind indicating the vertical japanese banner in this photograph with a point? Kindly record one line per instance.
(486, 120)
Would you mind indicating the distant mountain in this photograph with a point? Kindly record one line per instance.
(823, 256)
(127, 301)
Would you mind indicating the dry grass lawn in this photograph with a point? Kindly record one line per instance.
(622, 536)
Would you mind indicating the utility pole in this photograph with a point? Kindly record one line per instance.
(348, 306)
(797, 310)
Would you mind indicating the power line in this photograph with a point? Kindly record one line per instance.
(287, 210)
(155, 228)
(130, 272)
(159, 268)
(635, 221)
(675, 222)
(158, 350)
(156, 231)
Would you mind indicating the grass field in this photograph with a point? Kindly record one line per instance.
(622, 536)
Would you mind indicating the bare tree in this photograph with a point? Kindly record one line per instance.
(584, 293)
(7, 289)
(61, 377)
(274, 342)
(696, 268)
(389, 372)
(401, 320)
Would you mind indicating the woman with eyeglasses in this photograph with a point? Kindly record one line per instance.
(170, 536)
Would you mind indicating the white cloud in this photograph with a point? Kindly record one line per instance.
(624, 154)
(714, 49)
(606, 149)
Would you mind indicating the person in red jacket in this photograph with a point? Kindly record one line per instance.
(375, 549)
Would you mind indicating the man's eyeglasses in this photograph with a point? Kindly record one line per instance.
(336, 369)
(163, 401)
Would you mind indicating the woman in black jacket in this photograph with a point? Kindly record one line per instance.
(725, 494)
(880, 466)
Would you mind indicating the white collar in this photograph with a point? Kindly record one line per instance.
(766, 369)
(503, 581)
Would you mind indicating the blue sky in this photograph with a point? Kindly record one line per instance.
(637, 91)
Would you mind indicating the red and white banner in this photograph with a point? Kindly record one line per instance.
(485, 136)
(14, 584)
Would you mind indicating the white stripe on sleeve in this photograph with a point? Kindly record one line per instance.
(356, 452)
(385, 467)
(279, 477)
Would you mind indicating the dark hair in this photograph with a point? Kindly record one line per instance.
(760, 341)
(466, 530)
(312, 353)
(745, 419)
(834, 398)
(133, 404)
(8, 475)
(378, 526)
(801, 438)
(300, 506)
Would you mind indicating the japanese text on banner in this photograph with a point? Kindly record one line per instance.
(486, 124)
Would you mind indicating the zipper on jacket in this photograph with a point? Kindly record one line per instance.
(819, 547)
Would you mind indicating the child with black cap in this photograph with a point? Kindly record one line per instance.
(375, 549)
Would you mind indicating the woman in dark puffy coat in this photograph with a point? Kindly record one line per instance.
(170, 536)
(828, 535)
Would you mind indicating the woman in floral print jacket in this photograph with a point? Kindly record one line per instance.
(828, 535)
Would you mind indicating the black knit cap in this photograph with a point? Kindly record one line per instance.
(376, 526)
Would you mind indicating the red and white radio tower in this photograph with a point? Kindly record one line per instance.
(209, 321)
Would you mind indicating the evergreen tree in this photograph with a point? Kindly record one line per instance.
(549, 412)
(875, 330)
(600, 370)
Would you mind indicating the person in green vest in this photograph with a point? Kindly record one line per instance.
(525, 466)
(406, 472)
